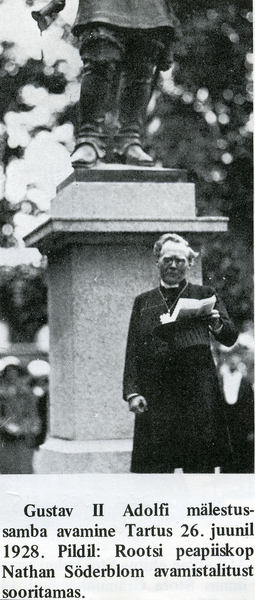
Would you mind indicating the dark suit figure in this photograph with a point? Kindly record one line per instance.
(19, 421)
(170, 379)
(239, 410)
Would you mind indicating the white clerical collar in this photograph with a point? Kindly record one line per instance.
(168, 287)
(231, 385)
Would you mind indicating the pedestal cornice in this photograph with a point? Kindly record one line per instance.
(57, 233)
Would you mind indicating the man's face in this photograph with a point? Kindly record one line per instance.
(173, 263)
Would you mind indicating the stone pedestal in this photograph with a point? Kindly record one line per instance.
(99, 241)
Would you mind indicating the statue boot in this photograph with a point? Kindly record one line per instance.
(134, 98)
(99, 80)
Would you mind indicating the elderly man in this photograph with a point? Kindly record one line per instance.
(170, 379)
(121, 44)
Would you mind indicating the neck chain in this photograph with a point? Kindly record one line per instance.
(169, 308)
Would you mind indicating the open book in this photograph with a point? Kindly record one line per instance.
(189, 307)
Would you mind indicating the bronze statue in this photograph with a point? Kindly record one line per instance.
(123, 45)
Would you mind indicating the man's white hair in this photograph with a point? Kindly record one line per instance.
(175, 239)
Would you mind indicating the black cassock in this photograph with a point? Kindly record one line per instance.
(185, 423)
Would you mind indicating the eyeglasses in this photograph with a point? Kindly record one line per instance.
(169, 260)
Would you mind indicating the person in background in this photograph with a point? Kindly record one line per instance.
(39, 371)
(239, 410)
(170, 379)
(19, 420)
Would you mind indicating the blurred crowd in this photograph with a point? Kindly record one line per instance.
(24, 398)
(23, 412)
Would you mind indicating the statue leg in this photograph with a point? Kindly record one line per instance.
(134, 99)
(145, 51)
(101, 51)
(98, 80)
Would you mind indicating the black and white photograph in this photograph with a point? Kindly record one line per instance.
(126, 299)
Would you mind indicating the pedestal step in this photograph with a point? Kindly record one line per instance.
(94, 456)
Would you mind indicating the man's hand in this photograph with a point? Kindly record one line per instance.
(138, 404)
(215, 320)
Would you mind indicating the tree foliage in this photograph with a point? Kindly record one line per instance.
(205, 118)
(228, 266)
